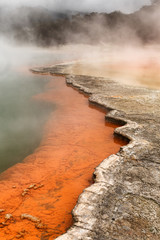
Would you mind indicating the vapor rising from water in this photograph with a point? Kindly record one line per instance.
(99, 37)
(137, 65)
(47, 27)
(117, 46)
(81, 6)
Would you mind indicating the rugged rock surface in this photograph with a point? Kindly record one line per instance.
(124, 201)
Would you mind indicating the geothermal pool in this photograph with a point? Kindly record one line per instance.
(53, 139)
(21, 117)
(46, 185)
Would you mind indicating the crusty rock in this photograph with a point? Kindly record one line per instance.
(30, 217)
(8, 216)
(124, 201)
(18, 236)
(40, 225)
(39, 186)
(31, 186)
(2, 210)
(3, 224)
(21, 234)
(24, 193)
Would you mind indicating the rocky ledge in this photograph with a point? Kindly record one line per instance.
(124, 201)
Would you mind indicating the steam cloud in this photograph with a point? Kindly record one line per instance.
(126, 6)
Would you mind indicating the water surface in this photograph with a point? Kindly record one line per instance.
(58, 134)
(21, 116)
(76, 139)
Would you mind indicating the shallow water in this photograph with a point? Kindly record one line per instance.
(22, 117)
(75, 140)
(69, 136)
(60, 136)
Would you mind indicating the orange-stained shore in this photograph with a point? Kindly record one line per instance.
(75, 140)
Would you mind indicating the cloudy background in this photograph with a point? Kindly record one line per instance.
(126, 6)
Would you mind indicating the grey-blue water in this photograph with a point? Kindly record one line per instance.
(21, 118)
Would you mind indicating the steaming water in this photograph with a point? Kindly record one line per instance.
(138, 66)
(22, 118)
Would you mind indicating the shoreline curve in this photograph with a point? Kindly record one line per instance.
(124, 201)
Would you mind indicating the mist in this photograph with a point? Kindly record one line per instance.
(126, 6)
(118, 46)
(122, 47)
(63, 24)
(33, 36)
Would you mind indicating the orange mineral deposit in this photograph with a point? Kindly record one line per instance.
(38, 195)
